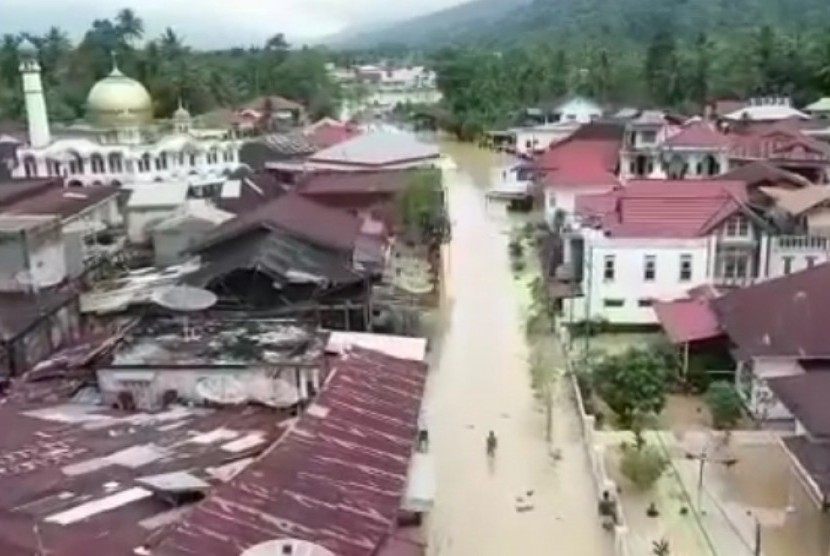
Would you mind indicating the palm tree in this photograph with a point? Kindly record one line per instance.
(171, 43)
(129, 26)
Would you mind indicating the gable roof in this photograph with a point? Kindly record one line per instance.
(760, 171)
(780, 141)
(331, 133)
(348, 183)
(326, 227)
(798, 201)
(664, 208)
(589, 158)
(249, 192)
(336, 479)
(784, 317)
(697, 134)
(379, 148)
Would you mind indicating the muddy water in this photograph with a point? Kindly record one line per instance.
(525, 503)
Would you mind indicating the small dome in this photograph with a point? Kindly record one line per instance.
(181, 113)
(119, 101)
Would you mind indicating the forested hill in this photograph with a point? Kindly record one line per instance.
(505, 22)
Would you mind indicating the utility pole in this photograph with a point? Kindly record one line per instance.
(703, 458)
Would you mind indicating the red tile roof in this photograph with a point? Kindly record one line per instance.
(663, 208)
(698, 134)
(687, 320)
(784, 317)
(330, 134)
(321, 225)
(336, 479)
(577, 162)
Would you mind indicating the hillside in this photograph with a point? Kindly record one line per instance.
(503, 22)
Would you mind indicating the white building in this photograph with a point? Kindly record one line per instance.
(656, 240)
(120, 143)
(767, 109)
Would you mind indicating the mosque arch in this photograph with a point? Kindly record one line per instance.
(30, 166)
(96, 163)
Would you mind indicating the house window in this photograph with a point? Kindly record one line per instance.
(608, 269)
(811, 261)
(116, 163)
(737, 226)
(613, 303)
(645, 303)
(648, 137)
(735, 266)
(650, 268)
(685, 268)
(788, 264)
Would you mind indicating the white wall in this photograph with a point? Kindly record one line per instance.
(565, 198)
(141, 220)
(25, 263)
(579, 110)
(629, 284)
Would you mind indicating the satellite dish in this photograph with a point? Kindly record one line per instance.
(287, 547)
(186, 299)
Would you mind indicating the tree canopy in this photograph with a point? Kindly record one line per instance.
(167, 67)
(632, 383)
(487, 87)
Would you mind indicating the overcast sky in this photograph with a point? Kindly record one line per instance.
(216, 23)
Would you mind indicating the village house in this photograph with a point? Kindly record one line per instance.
(151, 204)
(293, 251)
(585, 163)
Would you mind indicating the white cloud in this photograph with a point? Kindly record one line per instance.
(215, 23)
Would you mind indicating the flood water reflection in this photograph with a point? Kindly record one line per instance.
(524, 503)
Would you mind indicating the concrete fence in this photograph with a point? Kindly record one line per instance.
(595, 452)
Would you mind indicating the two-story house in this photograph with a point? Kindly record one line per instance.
(657, 239)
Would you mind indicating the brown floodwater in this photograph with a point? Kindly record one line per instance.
(524, 503)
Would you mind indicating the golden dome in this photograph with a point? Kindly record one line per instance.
(119, 101)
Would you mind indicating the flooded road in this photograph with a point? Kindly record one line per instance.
(525, 503)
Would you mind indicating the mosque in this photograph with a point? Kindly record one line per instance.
(120, 143)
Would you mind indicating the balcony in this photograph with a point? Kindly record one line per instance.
(801, 243)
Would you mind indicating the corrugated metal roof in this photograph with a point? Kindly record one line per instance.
(783, 317)
(578, 162)
(378, 148)
(687, 320)
(336, 479)
(150, 195)
(698, 134)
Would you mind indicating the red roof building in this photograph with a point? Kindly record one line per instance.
(663, 208)
(698, 135)
(575, 163)
(330, 133)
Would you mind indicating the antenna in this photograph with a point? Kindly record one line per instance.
(186, 300)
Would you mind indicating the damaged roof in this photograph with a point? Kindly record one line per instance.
(218, 342)
(74, 475)
(49, 196)
(337, 478)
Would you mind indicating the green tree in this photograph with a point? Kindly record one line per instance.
(642, 464)
(128, 26)
(725, 405)
(632, 383)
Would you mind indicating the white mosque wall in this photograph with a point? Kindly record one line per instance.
(85, 162)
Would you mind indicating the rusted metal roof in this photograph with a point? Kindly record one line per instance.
(336, 479)
(69, 471)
